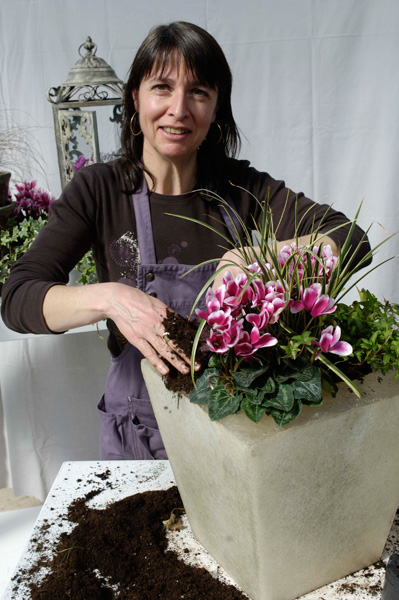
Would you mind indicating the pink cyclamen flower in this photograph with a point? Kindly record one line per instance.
(238, 292)
(214, 302)
(248, 344)
(330, 342)
(221, 341)
(313, 300)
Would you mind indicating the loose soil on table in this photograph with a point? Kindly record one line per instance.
(123, 545)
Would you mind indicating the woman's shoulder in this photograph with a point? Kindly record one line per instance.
(245, 176)
(106, 172)
(95, 181)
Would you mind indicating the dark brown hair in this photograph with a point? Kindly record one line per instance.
(202, 55)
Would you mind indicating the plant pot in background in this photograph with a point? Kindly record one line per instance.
(286, 511)
(4, 184)
(391, 584)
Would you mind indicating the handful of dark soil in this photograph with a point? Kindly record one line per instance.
(182, 332)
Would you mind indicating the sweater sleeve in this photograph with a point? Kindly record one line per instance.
(293, 214)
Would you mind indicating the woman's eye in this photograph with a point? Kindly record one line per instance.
(199, 92)
(161, 86)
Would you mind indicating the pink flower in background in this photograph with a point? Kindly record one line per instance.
(32, 201)
(238, 292)
(81, 162)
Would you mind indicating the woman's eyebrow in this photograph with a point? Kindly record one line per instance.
(163, 79)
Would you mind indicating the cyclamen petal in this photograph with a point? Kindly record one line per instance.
(220, 319)
(323, 306)
(341, 348)
(311, 295)
(262, 341)
(296, 306)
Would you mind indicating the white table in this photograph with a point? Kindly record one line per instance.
(49, 388)
(129, 477)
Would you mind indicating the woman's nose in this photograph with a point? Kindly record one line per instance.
(178, 105)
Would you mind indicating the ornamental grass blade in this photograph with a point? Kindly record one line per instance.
(340, 374)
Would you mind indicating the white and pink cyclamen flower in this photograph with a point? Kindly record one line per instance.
(314, 301)
(228, 309)
(330, 342)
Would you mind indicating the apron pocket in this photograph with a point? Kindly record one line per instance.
(128, 437)
(145, 427)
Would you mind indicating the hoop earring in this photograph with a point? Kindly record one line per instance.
(131, 125)
(220, 135)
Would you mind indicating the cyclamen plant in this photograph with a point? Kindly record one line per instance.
(32, 201)
(30, 214)
(252, 320)
(271, 330)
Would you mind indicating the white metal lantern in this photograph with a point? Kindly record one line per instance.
(91, 84)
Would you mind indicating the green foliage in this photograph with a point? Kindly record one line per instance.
(278, 390)
(292, 372)
(17, 237)
(372, 328)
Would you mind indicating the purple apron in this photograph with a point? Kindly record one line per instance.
(128, 426)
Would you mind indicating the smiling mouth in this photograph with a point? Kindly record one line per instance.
(175, 131)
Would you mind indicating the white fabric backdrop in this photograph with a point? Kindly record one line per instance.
(316, 89)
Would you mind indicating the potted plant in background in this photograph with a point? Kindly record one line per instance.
(287, 463)
(20, 222)
(24, 210)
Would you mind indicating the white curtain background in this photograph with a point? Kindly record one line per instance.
(316, 90)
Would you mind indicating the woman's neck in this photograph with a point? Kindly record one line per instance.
(171, 177)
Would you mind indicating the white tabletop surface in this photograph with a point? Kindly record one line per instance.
(126, 478)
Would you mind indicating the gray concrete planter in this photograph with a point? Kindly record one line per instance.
(286, 511)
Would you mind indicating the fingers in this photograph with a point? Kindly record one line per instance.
(159, 349)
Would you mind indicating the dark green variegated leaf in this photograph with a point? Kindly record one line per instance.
(214, 361)
(283, 418)
(245, 377)
(308, 373)
(269, 386)
(308, 390)
(300, 369)
(253, 412)
(283, 400)
(221, 404)
(200, 394)
(255, 396)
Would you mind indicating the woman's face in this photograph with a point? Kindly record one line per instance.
(175, 112)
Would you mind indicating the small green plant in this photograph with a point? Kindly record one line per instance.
(372, 329)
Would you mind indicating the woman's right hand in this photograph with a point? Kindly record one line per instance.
(137, 315)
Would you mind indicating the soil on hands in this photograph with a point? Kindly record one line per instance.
(182, 333)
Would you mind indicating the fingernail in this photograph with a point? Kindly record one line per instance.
(164, 369)
(185, 369)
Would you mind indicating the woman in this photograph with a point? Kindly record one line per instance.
(178, 135)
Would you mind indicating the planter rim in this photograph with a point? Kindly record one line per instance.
(372, 383)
